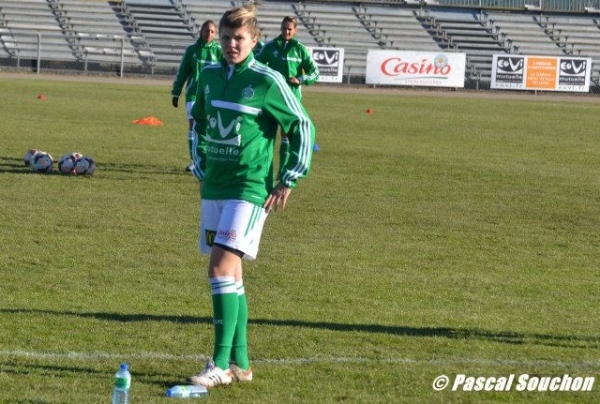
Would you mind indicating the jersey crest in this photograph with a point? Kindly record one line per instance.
(248, 92)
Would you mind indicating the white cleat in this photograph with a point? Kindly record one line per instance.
(238, 374)
(211, 376)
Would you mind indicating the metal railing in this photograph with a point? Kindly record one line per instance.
(567, 6)
(42, 52)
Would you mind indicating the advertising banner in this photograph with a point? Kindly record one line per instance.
(523, 72)
(330, 62)
(406, 68)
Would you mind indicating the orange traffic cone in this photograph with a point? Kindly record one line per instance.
(149, 120)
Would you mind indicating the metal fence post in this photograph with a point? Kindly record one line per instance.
(39, 53)
(122, 56)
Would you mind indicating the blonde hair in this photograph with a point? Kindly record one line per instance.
(242, 17)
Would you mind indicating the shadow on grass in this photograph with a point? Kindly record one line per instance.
(139, 169)
(16, 166)
(12, 367)
(13, 165)
(507, 337)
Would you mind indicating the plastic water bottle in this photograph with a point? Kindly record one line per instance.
(187, 391)
(122, 385)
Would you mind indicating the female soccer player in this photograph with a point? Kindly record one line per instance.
(290, 58)
(206, 50)
(239, 106)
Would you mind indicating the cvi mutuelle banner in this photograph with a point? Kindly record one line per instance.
(524, 72)
(330, 62)
(408, 68)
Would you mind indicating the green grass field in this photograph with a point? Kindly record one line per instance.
(437, 236)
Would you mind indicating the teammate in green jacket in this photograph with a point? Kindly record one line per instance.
(240, 105)
(259, 45)
(290, 58)
(206, 50)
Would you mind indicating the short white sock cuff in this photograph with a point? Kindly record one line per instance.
(220, 285)
(240, 288)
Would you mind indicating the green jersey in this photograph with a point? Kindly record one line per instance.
(196, 56)
(259, 45)
(291, 59)
(237, 114)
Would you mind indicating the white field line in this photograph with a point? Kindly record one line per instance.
(296, 361)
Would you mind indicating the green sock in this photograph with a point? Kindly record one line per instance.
(190, 143)
(239, 353)
(284, 154)
(225, 308)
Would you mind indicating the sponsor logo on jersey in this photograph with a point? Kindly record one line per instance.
(228, 132)
(227, 234)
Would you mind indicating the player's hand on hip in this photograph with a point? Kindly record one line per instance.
(175, 101)
(277, 199)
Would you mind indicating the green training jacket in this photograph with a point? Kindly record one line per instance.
(196, 56)
(291, 60)
(237, 114)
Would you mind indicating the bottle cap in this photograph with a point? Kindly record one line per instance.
(174, 391)
(125, 366)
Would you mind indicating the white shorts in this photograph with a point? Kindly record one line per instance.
(188, 109)
(232, 223)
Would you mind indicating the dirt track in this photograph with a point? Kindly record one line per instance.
(484, 94)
